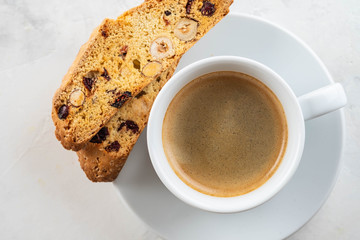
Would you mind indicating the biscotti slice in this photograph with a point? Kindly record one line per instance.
(122, 57)
(103, 158)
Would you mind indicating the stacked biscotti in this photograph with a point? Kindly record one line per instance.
(105, 98)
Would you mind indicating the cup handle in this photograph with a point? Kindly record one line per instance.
(322, 101)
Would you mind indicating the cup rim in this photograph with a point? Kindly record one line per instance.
(161, 165)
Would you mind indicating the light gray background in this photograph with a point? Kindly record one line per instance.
(44, 196)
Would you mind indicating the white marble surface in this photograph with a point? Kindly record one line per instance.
(43, 192)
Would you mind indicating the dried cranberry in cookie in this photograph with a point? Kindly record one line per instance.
(208, 9)
(188, 6)
(113, 147)
(106, 75)
(63, 112)
(100, 136)
(89, 79)
(130, 125)
(119, 101)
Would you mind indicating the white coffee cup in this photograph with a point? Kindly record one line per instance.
(297, 109)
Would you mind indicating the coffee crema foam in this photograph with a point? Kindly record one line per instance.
(225, 134)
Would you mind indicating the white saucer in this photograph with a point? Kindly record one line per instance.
(284, 214)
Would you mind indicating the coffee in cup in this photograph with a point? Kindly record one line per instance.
(224, 133)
